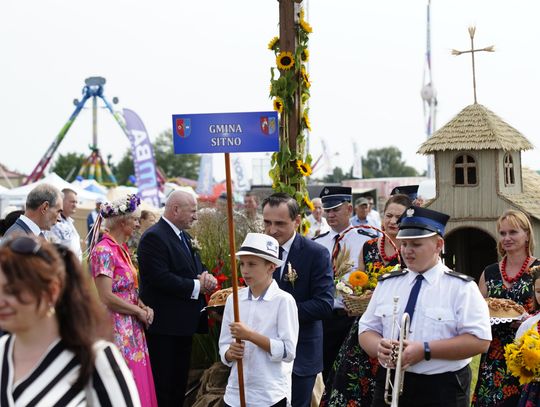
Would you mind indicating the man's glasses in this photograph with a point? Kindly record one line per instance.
(27, 245)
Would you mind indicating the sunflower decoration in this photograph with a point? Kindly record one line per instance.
(278, 104)
(304, 55)
(305, 119)
(304, 168)
(274, 44)
(523, 356)
(305, 77)
(285, 60)
(308, 203)
(303, 23)
(304, 227)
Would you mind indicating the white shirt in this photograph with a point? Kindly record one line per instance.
(197, 283)
(353, 241)
(315, 225)
(527, 324)
(374, 218)
(447, 306)
(286, 249)
(267, 376)
(64, 233)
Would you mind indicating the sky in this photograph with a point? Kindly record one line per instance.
(175, 57)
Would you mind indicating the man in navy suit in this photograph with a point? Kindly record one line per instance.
(173, 284)
(309, 280)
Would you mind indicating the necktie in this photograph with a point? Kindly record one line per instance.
(184, 244)
(42, 235)
(277, 271)
(413, 296)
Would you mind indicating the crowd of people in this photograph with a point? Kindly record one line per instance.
(129, 340)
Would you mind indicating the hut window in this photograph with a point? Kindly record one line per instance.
(509, 178)
(465, 170)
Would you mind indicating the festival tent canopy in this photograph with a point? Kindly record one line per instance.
(17, 196)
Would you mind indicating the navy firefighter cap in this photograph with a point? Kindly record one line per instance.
(419, 222)
(410, 190)
(332, 197)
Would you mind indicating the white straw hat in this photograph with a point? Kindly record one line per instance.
(261, 245)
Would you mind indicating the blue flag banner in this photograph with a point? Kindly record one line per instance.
(225, 132)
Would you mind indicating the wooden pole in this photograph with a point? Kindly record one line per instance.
(234, 274)
(287, 42)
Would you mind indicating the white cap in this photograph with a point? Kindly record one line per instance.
(261, 245)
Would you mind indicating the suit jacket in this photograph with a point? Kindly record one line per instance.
(18, 228)
(167, 275)
(313, 291)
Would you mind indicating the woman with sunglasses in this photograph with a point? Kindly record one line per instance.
(54, 354)
(117, 285)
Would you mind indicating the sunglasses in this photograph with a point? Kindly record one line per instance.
(27, 245)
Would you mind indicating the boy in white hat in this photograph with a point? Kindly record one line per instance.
(268, 331)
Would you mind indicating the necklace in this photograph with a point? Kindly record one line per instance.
(518, 275)
(383, 253)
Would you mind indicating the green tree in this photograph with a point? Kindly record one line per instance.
(386, 162)
(337, 176)
(172, 165)
(184, 165)
(68, 165)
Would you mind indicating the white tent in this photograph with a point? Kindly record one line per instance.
(17, 196)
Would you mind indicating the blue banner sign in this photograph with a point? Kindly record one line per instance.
(225, 132)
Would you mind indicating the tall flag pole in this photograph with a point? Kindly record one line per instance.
(429, 94)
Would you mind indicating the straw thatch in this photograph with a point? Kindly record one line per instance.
(476, 128)
(529, 200)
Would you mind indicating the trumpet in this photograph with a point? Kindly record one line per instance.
(392, 390)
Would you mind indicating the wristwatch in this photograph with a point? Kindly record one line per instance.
(427, 351)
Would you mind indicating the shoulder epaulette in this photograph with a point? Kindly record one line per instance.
(324, 234)
(462, 276)
(365, 232)
(393, 274)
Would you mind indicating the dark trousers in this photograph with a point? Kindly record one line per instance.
(451, 389)
(280, 403)
(302, 390)
(170, 357)
(335, 330)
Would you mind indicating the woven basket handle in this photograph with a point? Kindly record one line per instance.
(342, 235)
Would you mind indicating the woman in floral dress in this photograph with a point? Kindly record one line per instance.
(117, 284)
(512, 280)
(351, 381)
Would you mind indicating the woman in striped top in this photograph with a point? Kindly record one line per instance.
(54, 354)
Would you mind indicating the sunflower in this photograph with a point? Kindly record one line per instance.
(304, 168)
(304, 55)
(285, 60)
(305, 117)
(358, 279)
(305, 26)
(304, 227)
(278, 104)
(308, 203)
(273, 42)
(305, 77)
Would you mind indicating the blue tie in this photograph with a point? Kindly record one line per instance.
(413, 296)
(184, 244)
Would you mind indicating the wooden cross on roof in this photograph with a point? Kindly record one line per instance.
(491, 48)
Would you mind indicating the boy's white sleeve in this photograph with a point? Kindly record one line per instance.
(283, 348)
(225, 337)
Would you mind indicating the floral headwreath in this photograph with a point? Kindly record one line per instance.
(110, 209)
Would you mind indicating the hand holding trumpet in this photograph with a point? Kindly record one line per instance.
(387, 353)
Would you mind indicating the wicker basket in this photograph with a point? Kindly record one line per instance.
(357, 304)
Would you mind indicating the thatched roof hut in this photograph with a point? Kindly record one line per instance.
(476, 128)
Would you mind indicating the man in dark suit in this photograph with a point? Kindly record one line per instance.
(173, 284)
(307, 276)
(43, 209)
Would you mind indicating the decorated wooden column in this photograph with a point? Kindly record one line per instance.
(289, 88)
